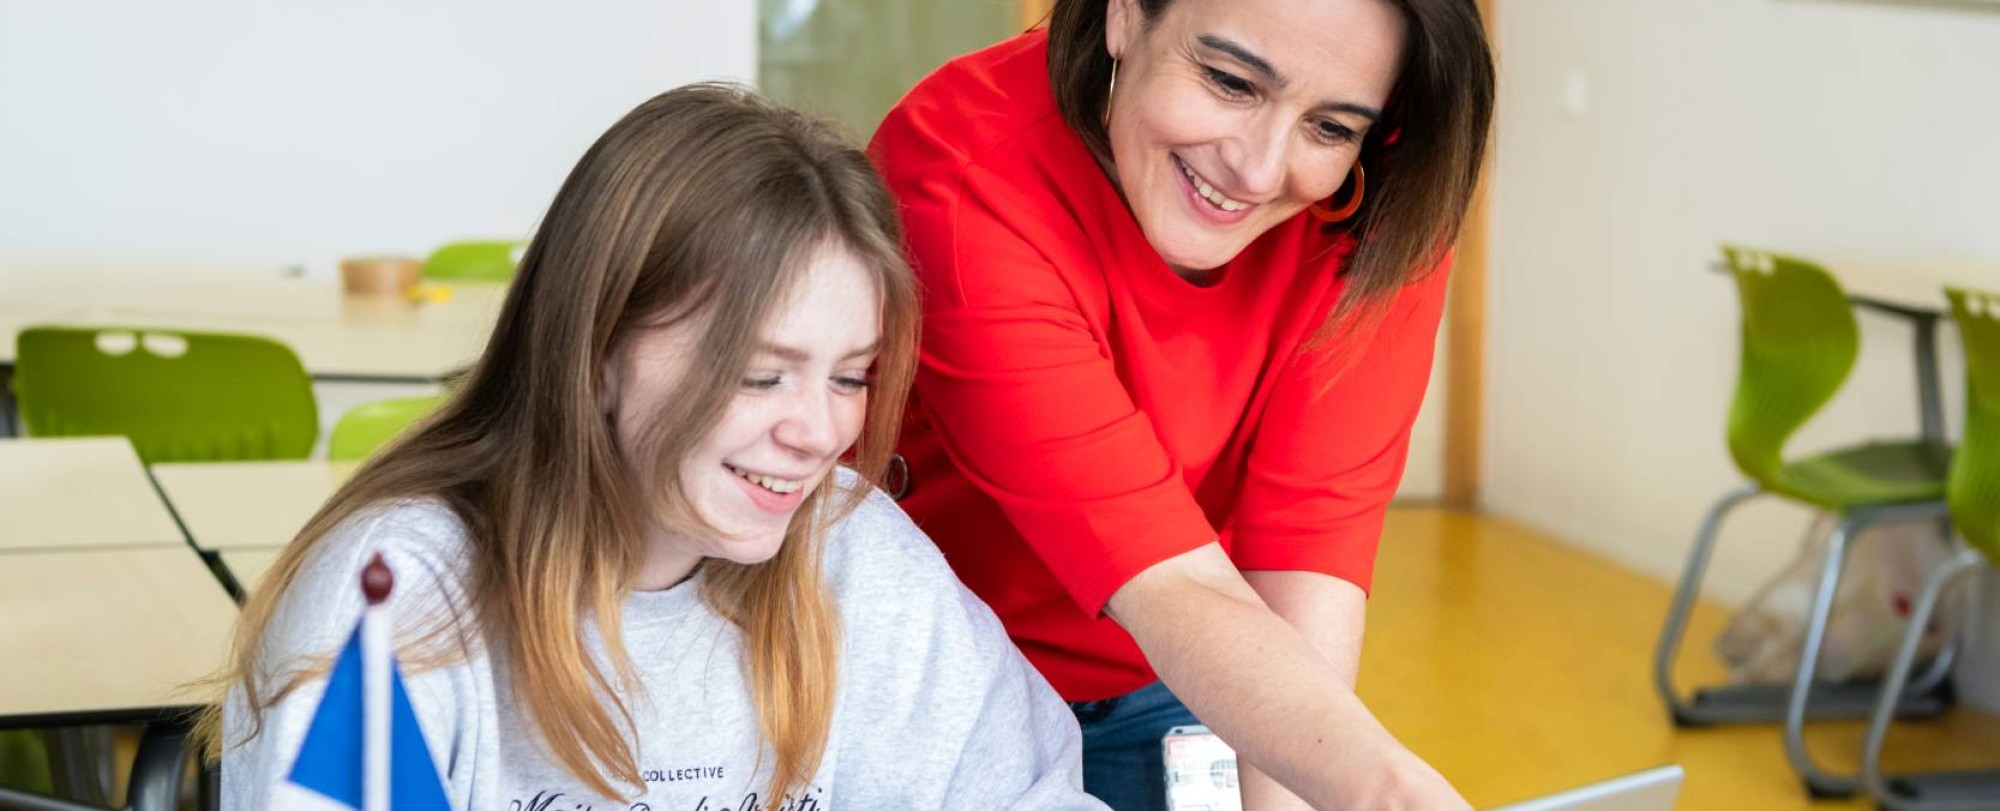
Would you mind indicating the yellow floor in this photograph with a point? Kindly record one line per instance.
(1518, 665)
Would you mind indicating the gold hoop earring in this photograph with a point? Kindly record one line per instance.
(1328, 214)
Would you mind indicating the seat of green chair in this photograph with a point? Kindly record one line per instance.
(1867, 475)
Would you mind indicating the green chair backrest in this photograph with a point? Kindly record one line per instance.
(24, 762)
(179, 396)
(1973, 490)
(1799, 344)
(367, 427)
(477, 261)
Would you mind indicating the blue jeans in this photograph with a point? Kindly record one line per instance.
(1122, 764)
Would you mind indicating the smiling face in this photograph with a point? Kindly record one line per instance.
(1231, 116)
(801, 405)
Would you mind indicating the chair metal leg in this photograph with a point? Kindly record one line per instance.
(209, 781)
(12, 800)
(1818, 781)
(80, 763)
(10, 411)
(155, 783)
(1685, 713)
(1934, 676)
(157, 769)
(1958, 791)
(1749, 703)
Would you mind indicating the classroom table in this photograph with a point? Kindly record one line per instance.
(246, 511)
(1913, 289)
(248, 566)
(1912, 283)
(107, 635)
(111, 636)
(337, 337)
(223, 292)
(107, 615)
(78, 493)
(331, 352)
(248, 505)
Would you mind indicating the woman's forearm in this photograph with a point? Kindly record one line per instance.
(1261, 685)
(1332, 615)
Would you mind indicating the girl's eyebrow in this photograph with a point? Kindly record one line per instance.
(797, 355)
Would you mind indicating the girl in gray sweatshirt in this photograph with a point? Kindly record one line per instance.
(640, 562)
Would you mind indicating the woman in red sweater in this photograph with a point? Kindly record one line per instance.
(1183, 265)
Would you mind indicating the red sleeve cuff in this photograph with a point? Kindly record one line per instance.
(1347, 553)
(1094, 547)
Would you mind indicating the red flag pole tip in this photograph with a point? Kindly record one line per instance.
(377, 580)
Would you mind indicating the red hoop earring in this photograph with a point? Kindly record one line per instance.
(1341, 214)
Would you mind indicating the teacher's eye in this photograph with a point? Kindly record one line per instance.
(1229, 84)
(761, 382)
(1333, 132)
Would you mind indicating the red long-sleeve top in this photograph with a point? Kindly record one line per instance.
(1082, 412)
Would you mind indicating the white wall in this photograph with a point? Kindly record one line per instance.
(259, 134)
(1813, 126)
(298, 132)
(1423, 474)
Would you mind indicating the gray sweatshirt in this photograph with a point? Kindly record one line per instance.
(935, 706)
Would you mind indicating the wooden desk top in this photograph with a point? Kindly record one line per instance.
(249, 565)
(1915, 284)
(222, 291)
(108, 631)
(335, 335)
(79, 493)
(248, 505)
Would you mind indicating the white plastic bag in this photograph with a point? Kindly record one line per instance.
(1884, 574)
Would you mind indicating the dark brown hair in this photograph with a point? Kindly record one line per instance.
(1422, 160)
(704, 202)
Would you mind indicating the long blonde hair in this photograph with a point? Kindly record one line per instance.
(703, 201)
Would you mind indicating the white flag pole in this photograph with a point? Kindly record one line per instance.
(376, 581)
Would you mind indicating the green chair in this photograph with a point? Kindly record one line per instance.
(1973, 492)
(24, 762)
(474, 261)
(179, 396)
(1799, 343)
(367, 427)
